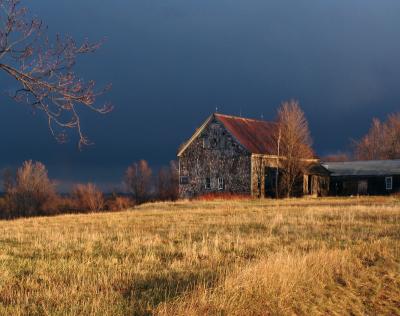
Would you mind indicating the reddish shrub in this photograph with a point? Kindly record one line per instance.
(88, 198)
(119, 203)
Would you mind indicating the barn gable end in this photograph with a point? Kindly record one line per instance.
(213, 161)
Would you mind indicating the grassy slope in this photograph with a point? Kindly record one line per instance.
(319, 257)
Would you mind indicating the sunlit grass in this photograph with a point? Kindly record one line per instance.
(306, 256)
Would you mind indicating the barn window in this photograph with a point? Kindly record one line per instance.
(207, 183)
(221, 184)
(389, 183)
(206, 143)
(184, 180)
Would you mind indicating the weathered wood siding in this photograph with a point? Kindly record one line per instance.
(214, 154)
(316, 185)
(261, 177)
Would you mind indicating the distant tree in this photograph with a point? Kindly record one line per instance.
(338, 157)
(88, 197)
(372, 146)
(32, 193)
(382, 140)
(293, 142)
(138, 180)
(168, 182)
(8, 180)
(392, 136)
(44, 70)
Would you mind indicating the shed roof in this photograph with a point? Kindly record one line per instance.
(255, 135)
(364, 168)
(317, 169)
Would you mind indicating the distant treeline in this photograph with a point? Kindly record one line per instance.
(382, 142)
(30, 192)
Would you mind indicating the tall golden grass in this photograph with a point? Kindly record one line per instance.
(248, 257)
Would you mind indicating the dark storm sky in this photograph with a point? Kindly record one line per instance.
(172, 62)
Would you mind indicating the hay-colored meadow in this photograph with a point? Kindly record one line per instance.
(249, 257)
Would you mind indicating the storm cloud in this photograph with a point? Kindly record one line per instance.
(173, 62)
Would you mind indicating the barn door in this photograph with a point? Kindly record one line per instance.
(362, 187)
(270, 182)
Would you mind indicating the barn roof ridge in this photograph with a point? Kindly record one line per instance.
(255, 135)
(241, 117)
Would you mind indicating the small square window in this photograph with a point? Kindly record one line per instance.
(184, 180)
(221, 184)
(206, 143)
(207, 183)
(389, 183)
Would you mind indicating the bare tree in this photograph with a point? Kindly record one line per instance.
(33, 193)
(168, 182)
(138, 180)
(294, 141)
(372, 146)
(8, 180)
(392, 136)
(382, 140)
(44, 70)
(88, 197)
(6, 207)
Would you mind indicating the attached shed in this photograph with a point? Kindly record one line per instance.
(375, 177)
(316, 180)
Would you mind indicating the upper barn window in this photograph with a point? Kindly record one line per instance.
(389, 183)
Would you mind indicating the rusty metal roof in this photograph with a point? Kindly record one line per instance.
(255, 135)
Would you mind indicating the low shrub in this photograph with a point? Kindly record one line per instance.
(87, 197)
(119, 203)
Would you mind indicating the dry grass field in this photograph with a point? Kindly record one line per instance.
(248, 257)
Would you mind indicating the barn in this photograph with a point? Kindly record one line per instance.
(231, 154)
(375, 177)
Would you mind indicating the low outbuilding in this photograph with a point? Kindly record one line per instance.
(375, 177)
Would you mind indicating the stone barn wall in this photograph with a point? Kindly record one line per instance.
(214, 155)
